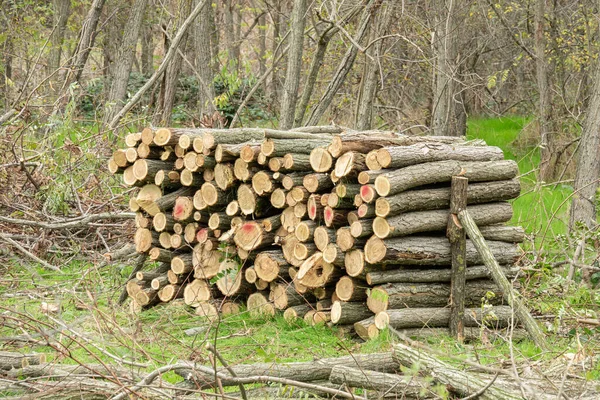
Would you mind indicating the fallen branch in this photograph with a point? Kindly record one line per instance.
(77, 222)
(28, 254)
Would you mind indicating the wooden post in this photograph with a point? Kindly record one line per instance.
(458, 244)
(509, 294)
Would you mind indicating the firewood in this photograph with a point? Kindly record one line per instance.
(431, 199)
(317, 182)
(249, 151)
(119, 158)
(155, 202)
(269, 265)
(259, 305)
(250, 275)
(418, 295)
(278, 198)
(315, 209)
(437, 220)
(160, 254)
(131, 155)
(431, 275)
(145, 239)
(365, 211)
(159, 282)
(305, 230)
(164, 239)
(294, 313)
(207, 310)
(366, 328)
(189, 232)
(351, 289)
(323, 236)
(188, 178)
(170, 292)
(167, 180)
(243, 171)
(224, 176)
(133, 139)
(296, 162)
(406, 178)
(249, 202)
(350, 164)
(262, 183)
(333, 255)
(284, 295)
(228, 152)
(317, 272)
(183, 210)
(289, 219)
(367, 177)
(231, 282)
(196, 292)
(275, 163)
(403, 156)
(146, 297)
(334, 218)
(281, 147)
(343, 313)
(261, 285)
(289, 181)
(141, 221)
(321, 160)
(182, 263)
(251, 236)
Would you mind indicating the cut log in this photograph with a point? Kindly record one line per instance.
(249, 203)
(367, 141)
(146, 297)
(402, 295)
(275, 163)
(343, 313)
(164, 239)
(431, 275)
(249, 151)
(368, 177)
(189, 232)
(271, 264)
(351, 289)
(368, 193)
(281, 147)
(406, 318)
(278, 198)
(183, 210)
(159, 282)
(262, 183)
(160, 254)
(344, 238)
(437, 220)
(334, 218)
(315, 209)
(145, 239)
(231, 136)
(431, 199)
(163, 222)
(321, 160)
(406, 178)
(317, 182)
(242, 170)
(365, 211)
(170, 292)
(259, 305)
(305, 231)
(486, 251)
(233, 208)
(224, 176)
(133, 139)
(196, 291)
(182, 263)
(290, 180)
(289, 219)
(296, 162)
(318, 272)
(420, 250)
(284, 295)
(207, 311)
(350, 164)
(176, 241)
(403, 386)
(141, 221)
(462, 383)
(251, 235)
(323, 236)
(403, 156)
(230, 282)
(294, 313)
(333, 255)
(188, 178)
(219, 221)
(228, 152)
(503, 233)
(361, 228)
(366, 328)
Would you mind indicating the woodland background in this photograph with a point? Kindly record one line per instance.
(77, 75)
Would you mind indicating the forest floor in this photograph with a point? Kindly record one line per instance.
(74, 317)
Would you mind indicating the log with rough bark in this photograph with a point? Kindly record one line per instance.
(351, 289)
(366, 328)
(251, 236)
(406, 178)
(419, 295)
(10, 360)
(431, 199)
(406, 318)
(403, 156)
(460, 382)
(403, 386)
(269, 265)
(422, 250)
(284, 295)
(437, 220)
(344, 313)
(431, 275)
(258, 304)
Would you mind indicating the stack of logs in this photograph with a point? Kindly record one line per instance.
(324, 223)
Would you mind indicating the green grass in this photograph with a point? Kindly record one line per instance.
(541, 209)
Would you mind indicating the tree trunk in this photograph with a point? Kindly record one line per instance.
(206, 91)
(404, 386)
(345, 65)
(547, 140)
(370, 82)
(447, 101)
(124, 60)
(147, 56)
(171, 78)
(294, 66)
(62, 10)
(274, 87)
(583, 208)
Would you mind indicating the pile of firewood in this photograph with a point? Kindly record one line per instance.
(323, 223)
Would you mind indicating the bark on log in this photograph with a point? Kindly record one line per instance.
(10, 360)
(403, 156)
(251, 235)
(281, 147)
(323, 236)
(283, 296)
(343, 313)
(431, 275)
(350, 164)
(351, 289)
(402, 295)
(460, 382)
(317, 182)
(437, 220)
(196, 291)
(432, 199)
(406, 318)
(321, 160)
(269, 265)
(366, 328)
(422, 250)
(259, 305)
(405, 386)
(294, 313)
(406, 178)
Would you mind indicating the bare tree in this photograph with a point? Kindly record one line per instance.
(294, 66)
(447, 104)
(171, 77)
(345, 65)
(371, 71)
(204, 61)
(147, 56)
(124, 60)
(547, 162)
(62, 10)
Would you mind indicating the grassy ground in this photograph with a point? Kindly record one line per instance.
(85, 301)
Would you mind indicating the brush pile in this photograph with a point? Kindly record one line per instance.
(323, 223)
